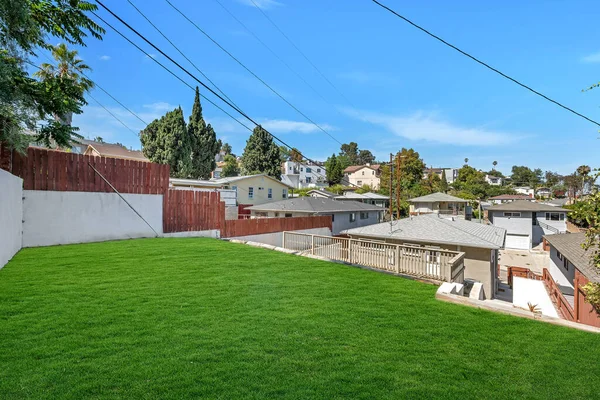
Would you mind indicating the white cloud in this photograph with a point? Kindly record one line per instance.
(264, 4)
(287, 126)
(104, 58)
(363, 78)
(429, 127)
(591, 58)
(159, 107)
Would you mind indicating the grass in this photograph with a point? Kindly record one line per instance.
(189, 318)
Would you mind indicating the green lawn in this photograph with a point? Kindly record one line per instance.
(189, 318)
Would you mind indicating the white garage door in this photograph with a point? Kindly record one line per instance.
(520, 242)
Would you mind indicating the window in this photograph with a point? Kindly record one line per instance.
(373, 173)
(288, 215)
(270, 193)
(363, 173)
(301, 169)
(290, 168)
(284, 194)
(234, 188)
(318, 170)
(352, 217)
(364, 215)
(308, 170)
(261, 188)
(261, 214)
(550, 216)
(250, 192)
(512, 214)
(276, 214)
(566, 263)
(308, 179)
(560, 256)
(359, 183)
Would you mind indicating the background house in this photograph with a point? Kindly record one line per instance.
(507, 198)
(113, 151)
(525, 190)
(493, 180)
(440, 203)
(451, 173)
(526, 222)
(359, 175)
(344, 214)
(479, 242)
(303, 175)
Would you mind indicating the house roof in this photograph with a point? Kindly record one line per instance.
(317, 205)
(217, 183)
(510, 197)
(569, 244)
(524, 205)
(432, 228)
(323, 192)
(558, 202)
(375, 196)
(117, 151)
(354, 168)
(437, 197)
(233, 179)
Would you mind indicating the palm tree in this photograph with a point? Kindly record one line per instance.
(68, 66)
(466, 161)
(494, 164)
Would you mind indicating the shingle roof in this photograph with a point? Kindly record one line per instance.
(354, 168)
(317, 205)
(569, 244)
(524, 205)
(117, 151)
(323, 192)
(437, 197)
(432, 228)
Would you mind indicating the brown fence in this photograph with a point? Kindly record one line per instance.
(245, 227)
(191, 210)
(523, 273)
(43, 169)
(557, 297)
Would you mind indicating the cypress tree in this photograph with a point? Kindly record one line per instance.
(261, 155)
(204, 144)
(334, 170)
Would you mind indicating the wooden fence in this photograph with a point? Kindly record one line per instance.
(191, 210)
(521, 272)
(43, 169)
(557, 297)
(257, 226)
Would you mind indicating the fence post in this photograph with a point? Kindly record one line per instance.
(283, 241)
(397, 258)
(312, 244)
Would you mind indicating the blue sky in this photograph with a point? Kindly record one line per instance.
(404, 88)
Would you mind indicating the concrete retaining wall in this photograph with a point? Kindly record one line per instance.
(11, 214)
(52, 218)
(276, 238)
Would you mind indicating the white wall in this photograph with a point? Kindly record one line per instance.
(276, 238)
(52, 218)
(534, 292)
(557, 269)
(520, 225)
(11, 214)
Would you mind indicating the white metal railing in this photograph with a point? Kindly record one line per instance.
(429, 262)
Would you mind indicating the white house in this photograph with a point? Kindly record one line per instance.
(544, 192)
(451, 173)
(303, 175)
(360, 175)
(525, 190)
(527, 222)
(493, 180)
(344, 214)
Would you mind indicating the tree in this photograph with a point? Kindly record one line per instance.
(444, 183)
(583, 171)
(261, 155)
(231, 167)
(98, 139)
(26, 103)
(203, 141)
(295, 155)
(69, 66)
(494, 164)
(466, 161)
(573, 183)
(350, 150)
(384, 186)
(471, 181)
(524, 176)
(552, 178)
(165, 141)
(284, 154)
(365, 157)
(226, 148)
(333, 171)
(409, 173)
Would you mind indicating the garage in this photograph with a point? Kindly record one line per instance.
(515, 241)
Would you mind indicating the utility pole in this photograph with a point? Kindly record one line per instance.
(391, 191)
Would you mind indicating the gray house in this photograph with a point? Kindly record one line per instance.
(344, 214)
(526, 222)
(440, 203)
(479, 242)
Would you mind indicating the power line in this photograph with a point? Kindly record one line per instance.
(251, 72)
(483, 63)
(273, 52)
(188, 73)
(302, 53)
(180, 52)
(171, 72)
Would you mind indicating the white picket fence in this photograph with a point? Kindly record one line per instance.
(427, 262)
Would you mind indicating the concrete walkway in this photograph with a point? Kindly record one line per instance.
(536, 261)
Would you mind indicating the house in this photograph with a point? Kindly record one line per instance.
(368, 198)
(303, 175)
(526, 222)
(507, 198)
(543, 192)
(322, 193)
(493, 180)
(440, 203)
(113, 151)
(451, 173)
(571, 268)
(216, 174)
(250, 189)
(344, 214)
(360, 175)
(525, 190)
(479, 242)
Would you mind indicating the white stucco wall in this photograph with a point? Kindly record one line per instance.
(556, 268)
(534, 292)
(11, 214)
(52, 218)
(519, 225)
(341, 220)
(276, 238)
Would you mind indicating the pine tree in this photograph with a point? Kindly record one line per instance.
(333, 171)
(261, 155)
(203, 142)
(444, 183)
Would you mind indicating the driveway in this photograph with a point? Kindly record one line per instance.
(536, 261)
